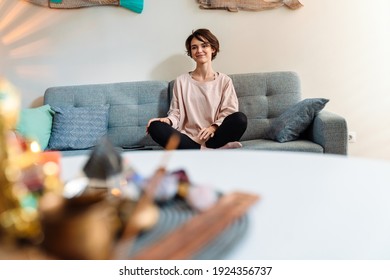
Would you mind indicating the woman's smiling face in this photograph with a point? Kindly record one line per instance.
(201, 51)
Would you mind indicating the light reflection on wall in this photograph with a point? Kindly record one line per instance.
(35, 48)
(25, 43)
(8, 16)
(27, 28)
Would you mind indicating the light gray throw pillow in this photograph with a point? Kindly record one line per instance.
(290, 124)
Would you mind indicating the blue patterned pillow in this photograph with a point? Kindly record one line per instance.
(289, 125)
(77, 128)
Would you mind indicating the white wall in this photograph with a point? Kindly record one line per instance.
(341, 50)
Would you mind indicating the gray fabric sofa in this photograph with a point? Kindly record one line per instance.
(262, 97)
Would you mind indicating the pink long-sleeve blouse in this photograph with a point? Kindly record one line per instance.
(196, 105)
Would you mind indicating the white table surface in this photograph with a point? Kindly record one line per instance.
(318, 207)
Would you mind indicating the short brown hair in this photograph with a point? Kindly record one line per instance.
(203, 35)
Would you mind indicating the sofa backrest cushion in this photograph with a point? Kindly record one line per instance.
(132, 104)
(264, 96)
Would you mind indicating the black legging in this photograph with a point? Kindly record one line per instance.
(230, 130)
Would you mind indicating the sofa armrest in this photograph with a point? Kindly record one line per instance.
(330, 131)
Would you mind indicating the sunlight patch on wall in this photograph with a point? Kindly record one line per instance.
(7, 17)
(35, 48)
(26, 39)
(33, 25)
(35, 71)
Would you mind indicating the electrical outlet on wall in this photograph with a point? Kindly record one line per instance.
(352, 137)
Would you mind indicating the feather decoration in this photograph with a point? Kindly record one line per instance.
(248, 5)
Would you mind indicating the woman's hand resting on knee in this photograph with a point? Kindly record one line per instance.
(207, 133)
(165, 120)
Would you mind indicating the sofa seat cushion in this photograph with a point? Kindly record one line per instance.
(270, 145)
(76, 128)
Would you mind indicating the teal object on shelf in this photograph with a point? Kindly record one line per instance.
(134, 5)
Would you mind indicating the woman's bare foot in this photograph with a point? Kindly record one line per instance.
(230, 145)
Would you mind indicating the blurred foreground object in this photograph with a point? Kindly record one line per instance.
(197, 232)
(106, 212)
(18, 213)
(9, 104)
(104, 163)
(26, 175)
(80, 228)
(145, 214)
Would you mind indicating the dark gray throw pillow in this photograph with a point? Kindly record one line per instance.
(78, 127)
(290, 124)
